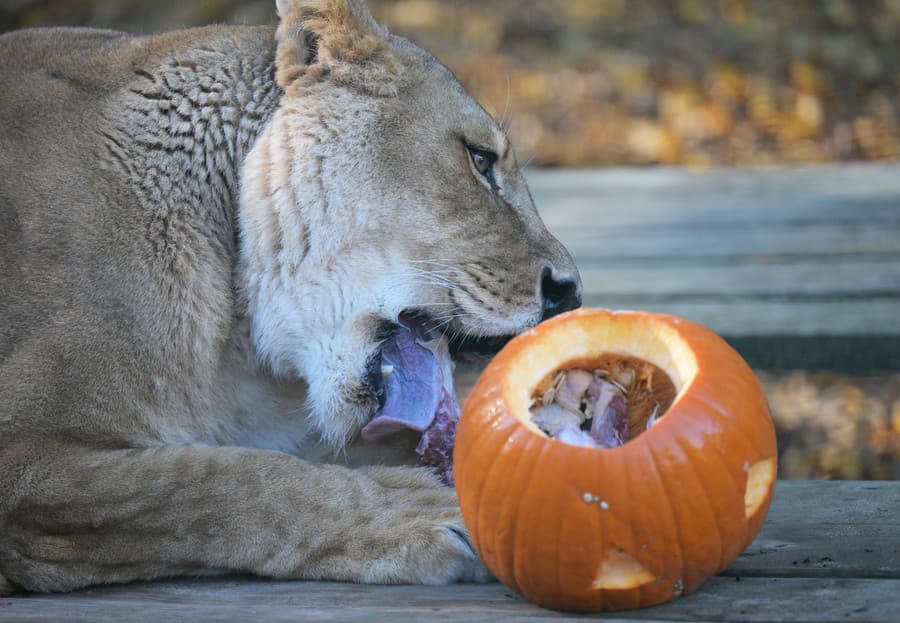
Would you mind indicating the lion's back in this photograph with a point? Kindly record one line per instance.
(68, 210)
(47, 76)
(51, 82)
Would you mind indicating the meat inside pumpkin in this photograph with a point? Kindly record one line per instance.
(602, 403)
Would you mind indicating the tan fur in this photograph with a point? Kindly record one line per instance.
(203, 235)
(352, 48)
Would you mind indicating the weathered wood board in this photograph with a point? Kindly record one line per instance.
(818, 600)
(798, 268)
(848, 529)
(828, 552)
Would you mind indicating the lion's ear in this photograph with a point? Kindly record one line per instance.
(338, 39)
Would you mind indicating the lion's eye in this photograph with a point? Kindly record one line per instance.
(484, 163)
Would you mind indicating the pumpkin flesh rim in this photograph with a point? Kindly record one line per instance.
(624, 334)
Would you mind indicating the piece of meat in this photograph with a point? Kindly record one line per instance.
(435, 448)
(609, 414)
(551, 418)
(576, 437)
(419, 394)
(571, 391)
(558, 409)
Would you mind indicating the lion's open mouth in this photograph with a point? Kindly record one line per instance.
(416, 379)
(469, 348)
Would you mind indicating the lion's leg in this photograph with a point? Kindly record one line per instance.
(81, 517)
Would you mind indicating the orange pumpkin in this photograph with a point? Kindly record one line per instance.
(583, 529)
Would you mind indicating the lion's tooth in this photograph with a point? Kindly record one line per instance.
(386, 370)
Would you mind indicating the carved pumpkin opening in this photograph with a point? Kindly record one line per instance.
(601, 402)
(760, 479)
(663, 363)
(619, 570)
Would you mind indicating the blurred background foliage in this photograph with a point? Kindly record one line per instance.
(605, 82)
(836, 426)
(639, 82)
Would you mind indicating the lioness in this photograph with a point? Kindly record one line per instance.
(207, 238)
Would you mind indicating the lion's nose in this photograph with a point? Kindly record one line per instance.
(560, 292)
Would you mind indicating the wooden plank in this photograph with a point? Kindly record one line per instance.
(836, 521)
(861, 193)
(704, 208)
(827, 529)
(771, 317)
(854, 354)
(850, 279)
(864, 179)
(720, 599)
(754, 242)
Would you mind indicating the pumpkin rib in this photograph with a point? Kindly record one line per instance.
(520, 571)
(723, 375)
(515, 499)
(675, 522)
(513, 547)
(477, 446)
(703, 398)
(738, 493)
(714, 406)
(558, 531)
(639, 597)
(707, 499)
(487, 542)
(741, 440)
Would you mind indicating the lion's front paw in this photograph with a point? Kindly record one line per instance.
(416, 532)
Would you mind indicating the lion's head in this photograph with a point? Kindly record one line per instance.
(381, 188)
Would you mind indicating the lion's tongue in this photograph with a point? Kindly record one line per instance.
(418, 384)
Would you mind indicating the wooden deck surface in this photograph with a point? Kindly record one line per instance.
(797, 268)
(828, 552)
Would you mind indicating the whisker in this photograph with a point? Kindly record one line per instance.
(447, 319)
(444, 284)
(443, 264)
(503, 119)
(431, 278)
(430, 260)
(438, 271)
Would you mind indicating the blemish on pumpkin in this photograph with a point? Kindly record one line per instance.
(619, 570)
(590, 498)
(760, 477)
